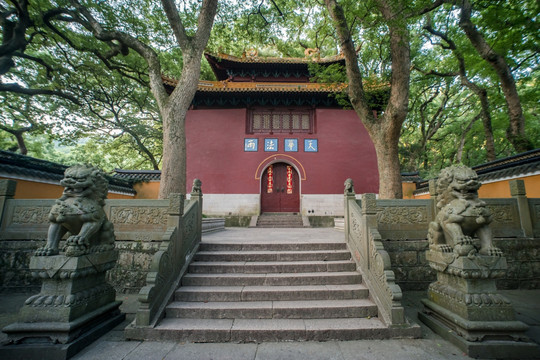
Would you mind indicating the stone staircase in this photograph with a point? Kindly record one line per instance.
(285, 289)
(280, 220)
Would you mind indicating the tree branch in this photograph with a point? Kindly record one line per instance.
(355, 88)
(37, 60)
(205, 23)
(428, 8)
(434, 72)
(150, 56)
(176, 24)
(16, 88)
(401, 64)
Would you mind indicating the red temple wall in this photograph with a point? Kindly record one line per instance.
(215, 148)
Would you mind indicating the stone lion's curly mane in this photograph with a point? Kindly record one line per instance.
(446, 178)
(99, 184)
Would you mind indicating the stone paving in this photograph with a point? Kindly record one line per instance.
(113, 346)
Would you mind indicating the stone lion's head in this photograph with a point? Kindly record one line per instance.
(457, 182)
(85, 181)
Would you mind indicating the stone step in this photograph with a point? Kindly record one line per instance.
(270, 293)
(279, 226)
(262, 221)
(280, 221)
(312, 278)
(258, 267)
(266, 255)
(268, 330)
(320, 309)
(270, 246)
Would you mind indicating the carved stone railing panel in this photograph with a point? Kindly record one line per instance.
(142, 220)
(404, 219)
(191, 225)
(170, 262)
(356, 234)
(25, 219)
(534, 206)
(365, 243)
(409, 219)
(505, 217)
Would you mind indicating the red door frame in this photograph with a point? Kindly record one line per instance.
(279, 200)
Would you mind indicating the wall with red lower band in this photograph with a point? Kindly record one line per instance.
(215, 151)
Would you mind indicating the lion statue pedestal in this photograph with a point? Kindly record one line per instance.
(463, 305)
(75, 305)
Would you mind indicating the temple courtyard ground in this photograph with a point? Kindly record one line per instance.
(113, 346)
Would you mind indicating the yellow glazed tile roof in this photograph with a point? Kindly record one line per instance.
(253, 58)
(226, 86)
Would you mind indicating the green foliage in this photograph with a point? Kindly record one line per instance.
(116, 123)
(334, 73)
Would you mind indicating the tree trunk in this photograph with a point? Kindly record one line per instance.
(389, 167)
(173, 172)
(173, 108)
(516, 130)
(385, 130)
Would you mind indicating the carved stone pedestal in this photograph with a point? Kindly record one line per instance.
(463, 307)
(75, 307)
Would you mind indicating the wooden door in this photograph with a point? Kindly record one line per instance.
(279, 192)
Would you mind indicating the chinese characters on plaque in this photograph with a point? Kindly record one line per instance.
(291, 145)
(272, 145)
(251, 144)
(311, 145)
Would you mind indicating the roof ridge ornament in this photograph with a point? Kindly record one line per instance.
(312, 53)
(250, 53)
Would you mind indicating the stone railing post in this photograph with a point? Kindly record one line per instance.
(349, 195)
(176, 209)
(433, 194)
(175, 220)
(170, 262)
(369, 208)
(196, 195)
(7, 191)
(517, 190)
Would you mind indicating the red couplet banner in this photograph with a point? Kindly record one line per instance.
(270, 187)
(289, 180)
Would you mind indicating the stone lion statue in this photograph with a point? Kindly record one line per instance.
(461, 216)
(80, 212)
(349, 186)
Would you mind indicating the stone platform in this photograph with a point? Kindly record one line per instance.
(74, 307)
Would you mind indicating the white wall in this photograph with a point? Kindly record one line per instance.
(249, 204)
(322, 205)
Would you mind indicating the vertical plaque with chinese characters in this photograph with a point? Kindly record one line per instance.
(270, 186)
(289, 179)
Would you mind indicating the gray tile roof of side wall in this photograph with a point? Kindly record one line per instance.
(411, 177)
(138, 175)
(17, 165)
(522, 164)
